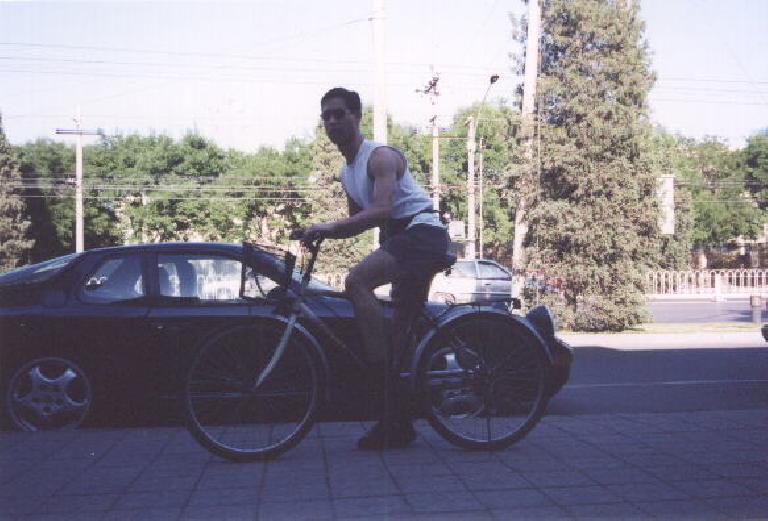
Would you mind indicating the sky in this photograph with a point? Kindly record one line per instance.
(250, 74)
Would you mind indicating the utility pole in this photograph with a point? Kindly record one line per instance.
(431, 90)
(471, 149)
(528, 180)
(79, 133)
(480, 197)
(379, 99)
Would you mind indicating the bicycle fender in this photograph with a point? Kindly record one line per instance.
(462, 314)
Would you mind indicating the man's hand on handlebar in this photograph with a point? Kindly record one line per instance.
(311, 236)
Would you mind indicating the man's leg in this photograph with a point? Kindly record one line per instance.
(377, 269)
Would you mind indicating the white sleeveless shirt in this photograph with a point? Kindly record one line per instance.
(409, 198)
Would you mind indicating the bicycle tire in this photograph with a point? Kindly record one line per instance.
(232, 420)
(482, 381)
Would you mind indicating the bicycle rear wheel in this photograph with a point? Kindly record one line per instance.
(232, 417)
(483, 382)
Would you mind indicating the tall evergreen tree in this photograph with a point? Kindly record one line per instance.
(14, 242)
(596, 219)
(328, 202)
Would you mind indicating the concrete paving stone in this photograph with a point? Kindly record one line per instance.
(621, 511)
(542, 463)
(714, 488)
(297, 511)
(231, 476)
(741, 470)
(155, 499)
(149, 481)
(60, 516)
(501, 479)
(420, 471)
(340, 429)
(88, 503)
(742, 508)
(363, 486)
(376, 470)
(688, 509)
(475, 515)
(103, 480)
(219, 513)
(759, 485)
(513, 499)
(654, 460)
(619, 476)
(143, 514)
(717, 456)
(369, 506)
(223, 496)
(15, 505)
(659, 491)
(416, 454)
(301, 487)
(563, 478)
(456, 456)
(582, 495)
(166, 459)
(534, 513)
(443, 502)
(604, 462)
(685, 472)
(39, 484)
(412, 484)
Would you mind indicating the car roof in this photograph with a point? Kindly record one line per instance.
(175, 246)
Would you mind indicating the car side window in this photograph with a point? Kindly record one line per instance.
(115, 279)
(205, 277)
(463, 269)
(492, 271)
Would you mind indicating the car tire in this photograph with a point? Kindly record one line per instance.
(48, 393)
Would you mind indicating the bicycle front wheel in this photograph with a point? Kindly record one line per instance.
(483, 380)
(232, 416)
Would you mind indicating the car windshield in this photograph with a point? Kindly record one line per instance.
(40, 272)
(270, 264)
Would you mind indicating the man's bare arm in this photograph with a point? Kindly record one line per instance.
(384, 166)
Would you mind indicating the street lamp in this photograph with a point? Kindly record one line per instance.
(471, 150)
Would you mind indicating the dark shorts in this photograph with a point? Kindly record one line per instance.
(420, 251)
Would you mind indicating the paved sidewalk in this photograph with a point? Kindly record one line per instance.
(695, 465)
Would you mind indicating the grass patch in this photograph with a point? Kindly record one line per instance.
(713, 327)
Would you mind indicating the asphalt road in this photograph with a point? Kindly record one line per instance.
(702, 311)
(720, 375)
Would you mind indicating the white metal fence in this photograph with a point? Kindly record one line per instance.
(715, 284)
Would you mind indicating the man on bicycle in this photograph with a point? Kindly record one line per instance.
(413, 247)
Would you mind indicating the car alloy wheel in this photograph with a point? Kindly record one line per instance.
(48, 393)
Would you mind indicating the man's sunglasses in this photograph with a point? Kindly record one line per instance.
(336, 114)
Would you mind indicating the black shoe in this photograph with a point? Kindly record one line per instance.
(388, 435)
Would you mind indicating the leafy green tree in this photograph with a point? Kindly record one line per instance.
(756, 165)
(328, 202)
(15, 243)
(669, 157)
(596, 219)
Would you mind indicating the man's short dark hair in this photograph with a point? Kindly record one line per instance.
(350, 97)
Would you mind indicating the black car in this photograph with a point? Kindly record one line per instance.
(107, 333)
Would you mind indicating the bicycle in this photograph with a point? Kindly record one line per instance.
(480, 375)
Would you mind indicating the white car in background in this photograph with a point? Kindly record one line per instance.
(469, 280)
